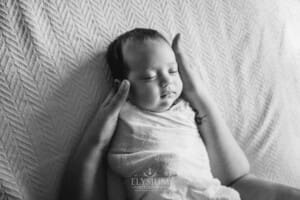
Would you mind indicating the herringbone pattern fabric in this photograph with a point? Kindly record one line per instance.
(53, 75)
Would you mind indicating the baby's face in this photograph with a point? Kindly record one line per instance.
(153, 74)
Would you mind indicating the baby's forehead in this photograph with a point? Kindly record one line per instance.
(147, 54)
(145, 48)
(143, 43)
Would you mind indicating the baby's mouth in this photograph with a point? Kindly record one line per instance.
(167, 94)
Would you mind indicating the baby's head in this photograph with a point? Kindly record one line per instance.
(146, 59)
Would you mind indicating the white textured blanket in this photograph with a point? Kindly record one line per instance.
(52, 76)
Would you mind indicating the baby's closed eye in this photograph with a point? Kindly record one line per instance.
(148, 77)
(173, 71)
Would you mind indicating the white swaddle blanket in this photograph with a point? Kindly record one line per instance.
(162, 156)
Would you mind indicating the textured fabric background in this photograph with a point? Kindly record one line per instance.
(53, 76)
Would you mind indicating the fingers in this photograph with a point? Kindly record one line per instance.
(112, 91)
(120, 97)
(181, 60)
(108, 97)
(175, 42)
(177, 50)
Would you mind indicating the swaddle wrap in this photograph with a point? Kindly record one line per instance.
(161, 156)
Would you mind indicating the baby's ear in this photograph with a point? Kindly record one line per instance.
(117, 83)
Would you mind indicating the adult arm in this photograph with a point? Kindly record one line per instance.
(250, 187)
(84, 178)
(228, 161)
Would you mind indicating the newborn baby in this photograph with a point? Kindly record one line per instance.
(157, 148)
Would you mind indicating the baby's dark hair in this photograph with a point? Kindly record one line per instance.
(114, 56)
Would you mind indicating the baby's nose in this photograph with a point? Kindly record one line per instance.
(165, 81)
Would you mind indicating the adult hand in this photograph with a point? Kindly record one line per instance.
(107, 115)
(85, 176)
(222, 149)
(193, 87)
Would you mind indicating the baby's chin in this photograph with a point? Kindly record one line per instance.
(161, 107)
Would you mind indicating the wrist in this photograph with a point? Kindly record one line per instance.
(201, 103)
(104, 131)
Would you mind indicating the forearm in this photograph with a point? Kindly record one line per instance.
(251, 187)
(85, 178)
(85, 174)
(228, 161)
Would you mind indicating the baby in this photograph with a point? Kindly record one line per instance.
(157, 148)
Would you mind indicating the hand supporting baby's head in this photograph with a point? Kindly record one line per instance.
(146, 59)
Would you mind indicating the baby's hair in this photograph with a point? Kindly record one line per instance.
(114, 56)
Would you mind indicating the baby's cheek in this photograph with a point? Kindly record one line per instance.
(137, 89)
(142, 93)
(147, 95)
(179, 85)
